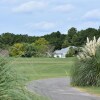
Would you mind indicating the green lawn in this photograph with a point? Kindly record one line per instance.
(37, 68)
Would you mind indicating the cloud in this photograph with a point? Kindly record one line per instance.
(93, 14)
(44, 26)
(30, 6)
(64, 8)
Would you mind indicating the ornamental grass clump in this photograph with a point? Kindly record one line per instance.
(86, 71)
(11, 84)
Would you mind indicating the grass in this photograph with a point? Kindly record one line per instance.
(38, 68)
(91, 90)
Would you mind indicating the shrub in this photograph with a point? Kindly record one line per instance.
(29, 50)
(72, 51)
(12, 85)
(86, 71)
(16, 50)
(22, 50)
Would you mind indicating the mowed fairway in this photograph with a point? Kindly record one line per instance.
(38, 68)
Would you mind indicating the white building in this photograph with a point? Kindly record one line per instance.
(61, 53)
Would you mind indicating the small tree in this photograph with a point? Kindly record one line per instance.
(17, 50)
(29, 50)
(72, 52)
(41, 46)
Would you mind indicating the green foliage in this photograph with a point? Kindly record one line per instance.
(17, 50)
(65, 44)
(71, 33)
(41, 46)
(7, 38)
(11, 86)
(72, 52)
(56, 39)
(86, 71)
(22, 50)
(29, 50)
(41, 41)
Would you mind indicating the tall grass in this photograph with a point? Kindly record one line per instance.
(86, 71)
(11, 85)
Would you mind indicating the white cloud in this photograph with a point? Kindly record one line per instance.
(45, 26)
(30, 6)
(93, 14)
(64, 8)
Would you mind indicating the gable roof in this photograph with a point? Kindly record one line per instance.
(63, 50)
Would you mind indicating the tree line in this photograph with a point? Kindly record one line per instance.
(55, 40)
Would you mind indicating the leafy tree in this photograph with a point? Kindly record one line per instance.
(7, 38)
(29, 50)
(55, 39)
(17, 50)
(41, 41)
(71, 32)
(83, 34)
(74, 40)
(71, 52)
(65, 44)
(22, 50)
(41, 46)
(50, 50)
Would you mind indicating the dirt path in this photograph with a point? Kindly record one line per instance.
(58, 89)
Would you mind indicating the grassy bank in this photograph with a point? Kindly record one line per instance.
(91, 90)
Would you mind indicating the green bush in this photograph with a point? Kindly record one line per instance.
(72, 51)
(86, 71)
(22, 50)
(17, 49)
(29, 51)
(12, 86)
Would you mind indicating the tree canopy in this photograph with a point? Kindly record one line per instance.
(56, 39)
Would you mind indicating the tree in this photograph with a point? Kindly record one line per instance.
(71, 32)
(41, 41)
(83, 34)
(50, 50)
(65, 44)
(41, 46)
(22, 50)
(29, 50)
(74, 40)
(71, 52)
(17, 50)
(7, 38)
(55, 39)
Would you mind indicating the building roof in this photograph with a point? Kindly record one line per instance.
(63, 50)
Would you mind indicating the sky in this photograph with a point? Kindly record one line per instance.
(40, 17)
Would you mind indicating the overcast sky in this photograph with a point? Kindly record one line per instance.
(39, 17)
